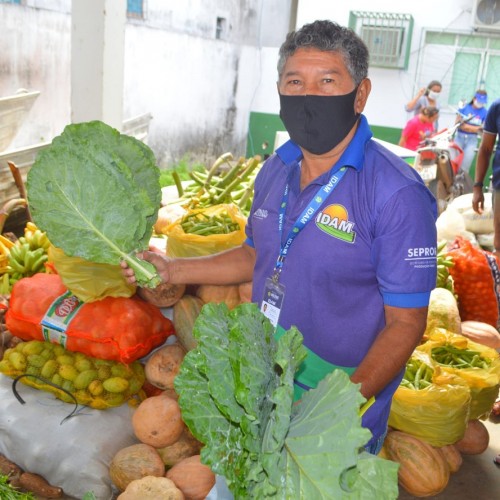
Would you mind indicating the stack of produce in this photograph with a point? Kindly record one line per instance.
(451, 381)
(226, 407)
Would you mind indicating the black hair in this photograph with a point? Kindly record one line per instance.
(330, 37)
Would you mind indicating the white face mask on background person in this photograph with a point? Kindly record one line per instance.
(433, 95)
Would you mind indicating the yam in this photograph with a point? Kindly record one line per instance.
(163, 365)
(192, 477)
(157, 421)
(151, 488)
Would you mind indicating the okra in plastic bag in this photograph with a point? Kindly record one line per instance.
(476, 364)
(214, 229)
(430, 404)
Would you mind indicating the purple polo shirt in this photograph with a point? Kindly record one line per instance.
(371, 243)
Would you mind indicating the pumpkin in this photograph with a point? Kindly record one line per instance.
(476, 439)
(164, 295)
(192, 477)
(228, 294)
(163, 365)
(135, 462)
(452, 456)
(157, 421)
(245, 291)
(482, 333)
(151, 488)
(423, 470)
(186, 446)
(186, 310)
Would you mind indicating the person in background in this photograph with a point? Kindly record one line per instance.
(472, 115)
(419, 128)
(491, 130)
(426, 97)
(333, 245)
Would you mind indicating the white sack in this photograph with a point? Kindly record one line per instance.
(74, 455)
(474, 222)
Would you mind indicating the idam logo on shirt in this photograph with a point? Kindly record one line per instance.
(334, 220)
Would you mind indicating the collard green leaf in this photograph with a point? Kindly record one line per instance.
(96, 193)
(323, 457)
(236, 395)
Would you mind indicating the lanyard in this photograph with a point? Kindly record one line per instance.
(306, 215)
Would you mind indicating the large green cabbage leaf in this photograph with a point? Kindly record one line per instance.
(236, 395)
(96, 193)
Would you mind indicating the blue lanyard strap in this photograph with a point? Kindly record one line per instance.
(306, 215)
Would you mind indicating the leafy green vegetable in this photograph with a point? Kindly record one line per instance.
(96, 193)
(236, 396)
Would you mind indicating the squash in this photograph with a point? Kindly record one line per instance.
(164, 295)
(228, 294)
(423, 470)
(442, 312)
(186, 446)
(151, 488)
(163, 365)
(134, 462)
(186, 310)
(482, 333)
(157, 421)
(452, 456)
(245, 291)
(192, 477)
(476, 439)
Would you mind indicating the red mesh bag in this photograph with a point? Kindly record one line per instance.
(476, 278)
(114, 328)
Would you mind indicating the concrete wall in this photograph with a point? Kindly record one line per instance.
(199, 89)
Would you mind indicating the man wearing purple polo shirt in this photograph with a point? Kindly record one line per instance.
(341, 239)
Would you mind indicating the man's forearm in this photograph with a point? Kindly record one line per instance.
(225, 268)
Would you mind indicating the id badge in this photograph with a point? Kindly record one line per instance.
(274, 294)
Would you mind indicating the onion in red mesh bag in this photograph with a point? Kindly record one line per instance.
(476, 278)
(114, 328)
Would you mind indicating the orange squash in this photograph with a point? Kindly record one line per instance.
(135, 462)
(423, 469)
(186, 310)
(228, 294)
(476, 439)
(192, 477)
(482, 333)
(452, 456)
(157, 421)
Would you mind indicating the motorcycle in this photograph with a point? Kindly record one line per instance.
(438, 162)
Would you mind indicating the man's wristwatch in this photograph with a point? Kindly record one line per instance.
(478, 185)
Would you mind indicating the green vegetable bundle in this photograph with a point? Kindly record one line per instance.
(418, 375)
(459, 358)
(236, 395)
(96, 193)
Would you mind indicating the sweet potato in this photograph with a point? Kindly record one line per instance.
(39, 486)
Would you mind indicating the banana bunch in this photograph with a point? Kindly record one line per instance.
(444, 262)
(26, 257)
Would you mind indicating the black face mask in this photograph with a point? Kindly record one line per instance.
(318, 123)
